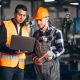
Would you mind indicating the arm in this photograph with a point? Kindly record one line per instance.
(57, 45)
(3, 39)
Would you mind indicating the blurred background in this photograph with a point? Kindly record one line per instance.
(65, 15)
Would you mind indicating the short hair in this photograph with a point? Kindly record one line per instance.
(20, 6)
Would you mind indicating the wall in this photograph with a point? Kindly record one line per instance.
(9, 12)
(54, 14)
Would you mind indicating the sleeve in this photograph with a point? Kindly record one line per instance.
(3, 39)
(57, 45)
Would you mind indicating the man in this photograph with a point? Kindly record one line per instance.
(12, 62)
(47, 65)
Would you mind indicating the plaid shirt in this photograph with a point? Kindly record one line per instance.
(57, 44)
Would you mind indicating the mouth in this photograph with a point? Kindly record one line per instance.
(20, 21)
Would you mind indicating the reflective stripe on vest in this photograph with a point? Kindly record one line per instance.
(11, 57)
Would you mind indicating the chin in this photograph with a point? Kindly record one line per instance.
(20, 22)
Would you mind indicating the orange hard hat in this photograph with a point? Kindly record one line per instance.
(40, 13)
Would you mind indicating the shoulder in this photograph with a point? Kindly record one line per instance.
(35, 33)
(53, 28)
(58, 34)
(58, 31)
(1, 23)
(2, 26)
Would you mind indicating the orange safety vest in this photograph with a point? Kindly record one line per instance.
(13, 60)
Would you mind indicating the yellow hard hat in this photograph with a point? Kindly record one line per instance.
(40, 13)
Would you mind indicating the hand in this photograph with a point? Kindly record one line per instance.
(48, 58)
(19, 51)
(37, 61)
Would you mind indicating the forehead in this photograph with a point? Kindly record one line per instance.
(21, 11)
(45, 18)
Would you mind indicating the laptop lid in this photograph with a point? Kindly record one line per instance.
(22, 43)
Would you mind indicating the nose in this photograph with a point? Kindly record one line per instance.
(39, 22)
(21, 17)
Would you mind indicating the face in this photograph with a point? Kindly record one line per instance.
(43, 23)
(20, 16)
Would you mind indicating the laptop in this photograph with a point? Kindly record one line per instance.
(22, 43)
